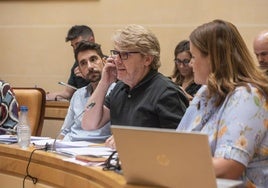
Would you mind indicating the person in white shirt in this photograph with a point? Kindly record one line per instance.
(90, 61)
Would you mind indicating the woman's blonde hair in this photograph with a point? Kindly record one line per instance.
(231, 62)
(138, 38)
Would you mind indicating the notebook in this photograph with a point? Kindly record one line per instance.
(166, 158)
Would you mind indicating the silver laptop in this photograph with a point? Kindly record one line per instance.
(166, 158)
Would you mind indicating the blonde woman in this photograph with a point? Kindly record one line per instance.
(231, 106)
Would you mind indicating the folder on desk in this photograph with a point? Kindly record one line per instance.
(166, 158)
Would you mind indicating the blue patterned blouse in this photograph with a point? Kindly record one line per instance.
(237, 129)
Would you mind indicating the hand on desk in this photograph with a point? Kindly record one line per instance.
(110, 142)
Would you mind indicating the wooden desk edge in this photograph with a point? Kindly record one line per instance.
(45, 166)
(58, 104)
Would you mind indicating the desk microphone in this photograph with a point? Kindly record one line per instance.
(67, 85)
(91, 105)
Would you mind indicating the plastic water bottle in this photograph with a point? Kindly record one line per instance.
(23, 129)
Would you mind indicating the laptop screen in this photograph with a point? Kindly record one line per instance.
(164, 157)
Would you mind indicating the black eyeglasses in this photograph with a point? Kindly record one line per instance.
(123, 55)
(185, 61)
(112, 163)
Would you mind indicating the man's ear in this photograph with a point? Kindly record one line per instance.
(91, 39)
(148, 60)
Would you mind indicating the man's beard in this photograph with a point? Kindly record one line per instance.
(94, 78)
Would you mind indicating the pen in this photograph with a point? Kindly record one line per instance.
(67, 85)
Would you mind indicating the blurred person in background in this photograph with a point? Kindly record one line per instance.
(76, 34)
(260, 46)
(183, 72)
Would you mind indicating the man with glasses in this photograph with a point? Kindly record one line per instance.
(142, 96)
(260, 46)
(90, 61)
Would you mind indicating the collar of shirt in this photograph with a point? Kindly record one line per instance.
(147, 78)
(89, 90)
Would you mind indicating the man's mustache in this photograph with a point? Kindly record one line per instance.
(94, 70)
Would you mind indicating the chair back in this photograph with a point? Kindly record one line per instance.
(35, 99)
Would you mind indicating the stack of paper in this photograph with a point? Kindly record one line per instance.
(80, 150)
(89, 151)
(74, 148)
(8, 139)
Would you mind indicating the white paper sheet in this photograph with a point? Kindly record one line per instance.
(62, 144)
(90, 151)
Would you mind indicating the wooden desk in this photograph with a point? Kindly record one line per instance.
(52, 171)
(55, 113)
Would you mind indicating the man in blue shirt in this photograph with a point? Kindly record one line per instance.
(90, 62)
